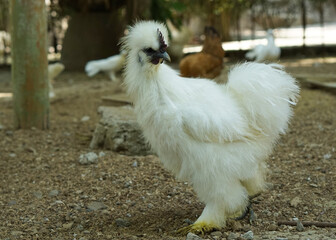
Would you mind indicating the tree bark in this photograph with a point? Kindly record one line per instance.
(91, 36)
(29, 63)
(304, 22)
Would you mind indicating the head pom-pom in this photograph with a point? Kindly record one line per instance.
(163, 45)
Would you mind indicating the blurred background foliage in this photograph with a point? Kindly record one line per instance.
(97, 25)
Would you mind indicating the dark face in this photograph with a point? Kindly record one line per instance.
(157, 56)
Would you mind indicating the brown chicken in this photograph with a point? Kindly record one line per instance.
(208, 63)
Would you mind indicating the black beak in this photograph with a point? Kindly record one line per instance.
(161, 55)
(158, 56)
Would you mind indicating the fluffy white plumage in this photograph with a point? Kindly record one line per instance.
(54, 70)
(217, 137)
(262, 53)
(110, 66)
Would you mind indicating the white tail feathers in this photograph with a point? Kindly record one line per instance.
(266, 92)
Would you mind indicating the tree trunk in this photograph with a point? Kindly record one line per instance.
(304, 22)
(91, 36)
(29, 63)
(225, 18)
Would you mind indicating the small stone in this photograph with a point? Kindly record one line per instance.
(88, 158)
(127, 184)
(67, 226)
(94, 206)
(1, 127)
(53, 193)
(120, 222)
(9, 133)
(135, 164)
(192, 236)
(188, 221)
(232, 236)
(272, 227)
(12, 155)
(248, 235)
(12, 202)
(327, 156)
(216, 234)
(299, 226)
(85, 119)
(80, 227)
(16, 233)
(280, 238)
(236, 226)
(295, 202)
(38, 194)
(101, 154)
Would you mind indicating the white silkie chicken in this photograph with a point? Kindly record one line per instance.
(262, 53)
(111, 66)
(215, 136)
(54, 70)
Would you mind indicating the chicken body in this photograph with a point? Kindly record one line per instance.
(269, 52)
(209, 62)
(110, 66)
(217, 137)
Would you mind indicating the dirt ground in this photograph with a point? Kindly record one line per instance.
(45, 193)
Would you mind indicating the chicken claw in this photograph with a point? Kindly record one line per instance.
(198, 228)
(248, 210)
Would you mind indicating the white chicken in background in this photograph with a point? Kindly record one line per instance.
(262, 53)
(111, 66)
(216, 136)
(54, 70)
(179, 38)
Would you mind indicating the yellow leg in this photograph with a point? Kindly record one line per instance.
(198, 228)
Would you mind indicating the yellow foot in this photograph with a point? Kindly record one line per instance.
(198, 228)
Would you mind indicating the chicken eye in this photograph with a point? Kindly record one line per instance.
(149, 50)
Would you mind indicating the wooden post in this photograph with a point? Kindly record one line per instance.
(29, 63)
(304, 22)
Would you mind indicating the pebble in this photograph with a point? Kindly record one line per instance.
(248, 235)
(120, 222)
(299, 226)
(94, 206)
(53, 193)
(295, 202)
(281, 238)
(12, 202)
(13, 155)
(102, 154)
(88, 158)
(1, 127)
(135, 164)
(216, 234)
(188, 221)
(232, 236)
(192, 236)
(9, 133)
(16, 233)
(272, 227)
(80, 227)
(38, 194)
(67, 226)
(85, 119)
